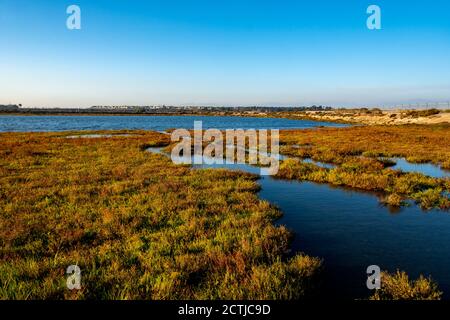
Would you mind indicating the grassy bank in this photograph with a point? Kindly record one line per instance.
(141, 227)
(359, 155)
(138, 226)
(398, 286)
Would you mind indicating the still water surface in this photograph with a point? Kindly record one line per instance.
(428, 169)
(158, 123)
(351, 230)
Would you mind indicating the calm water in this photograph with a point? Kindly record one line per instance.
(427, 169)
(350, 230)
(158, 123)
(320, 164)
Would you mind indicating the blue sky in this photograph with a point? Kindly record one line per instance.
(219, 52)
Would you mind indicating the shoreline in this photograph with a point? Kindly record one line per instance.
(348, 116)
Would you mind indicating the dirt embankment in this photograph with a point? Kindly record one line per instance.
(394, 117)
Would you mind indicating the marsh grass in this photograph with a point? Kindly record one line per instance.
(360, 155)
(138, 226)
(398, 286)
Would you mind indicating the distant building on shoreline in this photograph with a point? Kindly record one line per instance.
(9, 107)
(158, 109)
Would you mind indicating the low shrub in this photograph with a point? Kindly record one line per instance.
(398, 286)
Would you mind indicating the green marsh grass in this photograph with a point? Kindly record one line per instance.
(141, 227)
(360, 153)
(138, 226)
(398, 286)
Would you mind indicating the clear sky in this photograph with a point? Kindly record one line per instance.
(223, 52)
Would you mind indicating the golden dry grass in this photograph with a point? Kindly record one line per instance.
(138, 226)
(358, 153)
(398, 286)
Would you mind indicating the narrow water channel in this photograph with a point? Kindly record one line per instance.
(351, 230)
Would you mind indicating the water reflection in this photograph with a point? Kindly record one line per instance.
(428, 169)
(351, 230)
